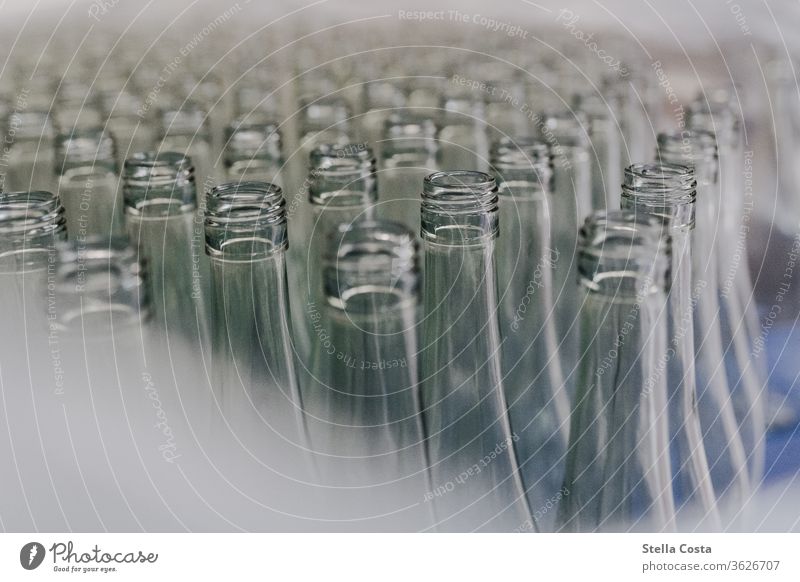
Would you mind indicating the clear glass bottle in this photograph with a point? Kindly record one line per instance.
(718, 399)
(342, 189)
(739, 320)
(253, 151)
(534, 383)
(476, 481)
(618, 473)
(409, 154)
(88, 183)
(255, 381)
(667, 193)
(165, 228)
(362, 397)
(462, 137)
(31, 224)
(185, 128)
(31, 156)
(604, 137)
(566, 135)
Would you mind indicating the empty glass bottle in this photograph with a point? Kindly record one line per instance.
(31, 155)
(565, 133)
(342, 189)
(471, 448)
(718, 399)
(255, 382)
(253, 151)
(534, 383)
(185, 129)
(618, 471)
(88, 183)
(409, 154)
(162, 223)
(739, 321)
(667, 193)
(361, 398)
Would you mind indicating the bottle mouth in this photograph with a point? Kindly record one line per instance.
(245, 221)
(89, 146)
(623, 254)
(28, 216)
(406, 133)
(158, 183)
(663, 191)
(371, 265)
(523, 167)
(253, 140)
(459, 207)
(688, 147)
(96, 280)
(342, 175)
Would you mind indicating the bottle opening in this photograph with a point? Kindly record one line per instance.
(372, 266)
(459, 208)
(623, 255)
(245, 221)
(158, 184)
(30, 225)
(664, 191)
(342, 175)
(523, 167)
(99, 285)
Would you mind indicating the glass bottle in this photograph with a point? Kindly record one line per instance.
(185, 129)
(362, 399)
(342, 189)
(163, 225)
(604, 137)
(255, 381)
(740, 326)
(409, 154)
(31, 155)
(88, 183)
(533, 380)
(31, 224)
(718, 399)
(462, 137)
(618, 475)
(323, 120)
(476, 481)
(565, 133)
(667, 193)
(253, 151)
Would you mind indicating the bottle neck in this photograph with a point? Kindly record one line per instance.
(248, 142)
(89, 148)
(31, 223)
(342, 176)
(158, 185)
(523, 168)
(409, 140)
(695, 149)
(459, 208)
(622, 257)
(99, 286)
(666, 192)
(245, 221)
(372, 268)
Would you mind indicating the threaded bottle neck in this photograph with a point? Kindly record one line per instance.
(663, 191)
(696, 149)
(622, 256)
(245, 221)
(409, 138)
(522, 167)
(342, 175)
(158, 185)
(459, 208)
(252, 140)
(30, 222)
(85, 147)
(96, 280)
(372, 266)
